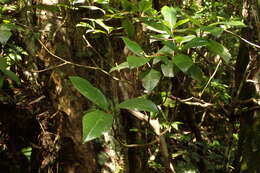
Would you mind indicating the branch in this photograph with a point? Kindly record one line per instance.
(75, 64)
(245, 40)
(196, 102)
(211, 77)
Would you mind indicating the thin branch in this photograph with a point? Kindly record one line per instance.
(78, 65)
(245, 40)
(50, 68)
(196, 102)
(211, 77)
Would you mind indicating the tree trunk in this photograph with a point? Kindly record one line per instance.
(61, 135)
(247, 87)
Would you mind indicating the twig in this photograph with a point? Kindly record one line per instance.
(78, 65)
(50, 68)
(188, 101)
(245, 40)
(211, 77)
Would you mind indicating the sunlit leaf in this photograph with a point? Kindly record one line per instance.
(93, 8)
(169, 15)
(133, 46)
(151, 79)
(183, 62)
(157, 27)
(181, 22)
(120, 67)
(135, 61)
(196, 42)
(95, 123)
(216, 31)
(89, 91)
(139, 104)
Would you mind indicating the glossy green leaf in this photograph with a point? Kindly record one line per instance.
(135, 61)
(103, 25)
(120, 67)
(151, 79)
(195, 72)
(139, 104)
(157, 27)
(216, 31)
(133, 46)
(167, 69)
(219, 49)
(183, 62)
(89, 91)
(169, 15)
(196, 42)
(95, 123)
(158, 59)
(181, 22)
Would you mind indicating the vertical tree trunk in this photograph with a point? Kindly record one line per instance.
(61, 136)
(247, 85)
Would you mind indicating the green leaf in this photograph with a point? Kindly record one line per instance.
(135, 61)
(5, 34)
(216, 31)
(139, 104)
(181, 22)
(196, 42)
(129, 27)
(89, 91)
(9, 73)
(109, 29)
(151, 79)
(133, 46)
(27, 151)
(157, 27)
(169, 15)
(157, 59)
(167, 69)
(195, 72)
(119, 67)
(183, 62)
(219, 49)
(95, 123)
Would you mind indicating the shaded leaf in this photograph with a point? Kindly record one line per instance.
(95, 123)
(5, 34)
(151, 79)
(133, 46)
(195, 72)
(219, 49)
(135, 61)
(9, 73)
(129, 27)
(183, 62)
(167, 69)
(139, 104)
(89, 91)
